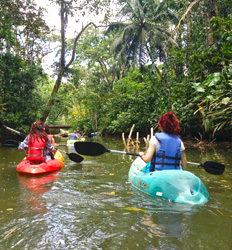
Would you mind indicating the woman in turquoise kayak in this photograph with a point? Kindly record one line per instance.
(36, 143)
(166, 150)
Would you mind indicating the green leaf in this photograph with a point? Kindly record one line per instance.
(212, 79)
(225, 100)
(214, 60)
(200, 89)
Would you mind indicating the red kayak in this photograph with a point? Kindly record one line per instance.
(45, 167)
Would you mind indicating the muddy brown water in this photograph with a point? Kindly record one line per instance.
(91, 205)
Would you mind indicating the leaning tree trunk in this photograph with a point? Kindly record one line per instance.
(63, 67)
(53, 94)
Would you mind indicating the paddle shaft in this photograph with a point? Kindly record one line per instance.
(15, 131)
(62, 151)
(193, 163)
(121, 152)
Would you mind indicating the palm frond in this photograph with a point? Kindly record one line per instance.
(115, 27)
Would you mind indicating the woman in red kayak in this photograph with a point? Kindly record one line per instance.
(36, 143)
(166, 150)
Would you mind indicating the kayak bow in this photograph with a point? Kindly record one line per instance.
(45, 167)
(174, 185)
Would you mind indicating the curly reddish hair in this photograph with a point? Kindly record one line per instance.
(169, 123)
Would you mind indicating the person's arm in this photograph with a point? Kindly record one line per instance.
(183, 159)
(23, 145)
(50, 147)
(53, 142)
(149, 153)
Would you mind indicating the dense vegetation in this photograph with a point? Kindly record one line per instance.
(152, 57)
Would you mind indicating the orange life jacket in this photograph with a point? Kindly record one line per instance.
(36, 150)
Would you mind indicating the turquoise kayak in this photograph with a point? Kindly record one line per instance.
(174, 185)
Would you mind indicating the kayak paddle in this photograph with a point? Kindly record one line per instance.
(211, 167)
(12, 130)
(95, 149)
(72, 156)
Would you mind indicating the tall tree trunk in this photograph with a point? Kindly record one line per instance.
(212, 11)
(63, 67)
(63, 19)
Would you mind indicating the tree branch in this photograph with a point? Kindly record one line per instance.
(77, 38)
(185, 14)
(75, 43)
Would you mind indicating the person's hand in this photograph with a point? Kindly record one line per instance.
(141, 154)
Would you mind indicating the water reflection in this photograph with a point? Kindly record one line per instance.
(93, 206)
(168, 228)
(36, 187)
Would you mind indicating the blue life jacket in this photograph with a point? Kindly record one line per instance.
(73, 136)
(169, 155)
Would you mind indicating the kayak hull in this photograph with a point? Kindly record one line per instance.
(45, 167)
(71, 142)
(174, 185)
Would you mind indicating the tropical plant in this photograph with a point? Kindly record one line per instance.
(23, 32)
(134, 100)
(214, 101)
(143, 38)
(19, 83)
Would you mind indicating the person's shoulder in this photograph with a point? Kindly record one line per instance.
(154, 139)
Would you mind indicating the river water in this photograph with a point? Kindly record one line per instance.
(91, 205)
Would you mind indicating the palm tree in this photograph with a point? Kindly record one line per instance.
(142, 39)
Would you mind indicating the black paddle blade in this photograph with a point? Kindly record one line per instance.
(90, 148)
(213, 167)
(75, 157)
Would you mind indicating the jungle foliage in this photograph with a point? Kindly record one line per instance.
(156, 56)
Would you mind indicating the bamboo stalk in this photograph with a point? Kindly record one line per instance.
(129, 140)
(123, 139)
(137, 140)
(131, 131)
(152, 132)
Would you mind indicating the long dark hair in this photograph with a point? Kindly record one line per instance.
(37, 131)
(46, 129)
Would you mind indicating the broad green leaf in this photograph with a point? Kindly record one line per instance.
(200, 89)
(212, 79)
(225, 100)
(214, 60)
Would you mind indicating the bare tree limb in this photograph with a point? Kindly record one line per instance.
(184, 16)
(75, 43)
